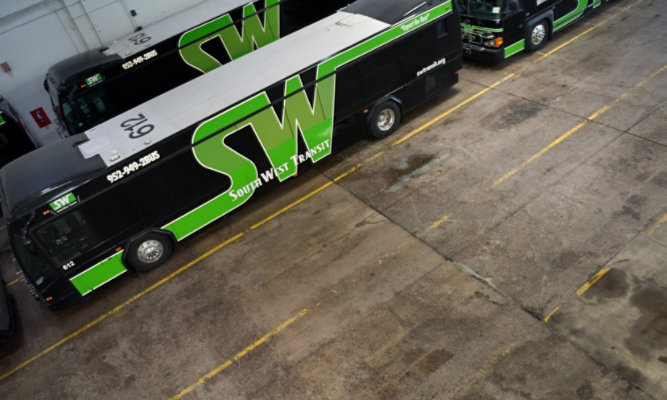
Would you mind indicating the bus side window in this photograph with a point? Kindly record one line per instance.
(99, 221)
(441, 28)
(513, 5)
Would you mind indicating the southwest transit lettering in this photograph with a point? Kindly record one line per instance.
(278, 137)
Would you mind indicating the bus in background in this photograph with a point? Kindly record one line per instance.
(89, 88)
(118, 197)
(494, 30)
(14, 138)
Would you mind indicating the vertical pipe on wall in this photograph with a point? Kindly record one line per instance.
(127, 9)
(90, 20)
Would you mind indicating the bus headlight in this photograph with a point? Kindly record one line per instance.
(495, 42)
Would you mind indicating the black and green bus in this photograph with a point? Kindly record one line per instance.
(91, 87)
(14, 137)
(493, 30)
(118, 197)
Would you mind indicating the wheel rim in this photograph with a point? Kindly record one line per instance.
(150, 251)
(538, 35)
(386, 119)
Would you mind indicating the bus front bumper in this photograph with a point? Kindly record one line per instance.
(483, 54)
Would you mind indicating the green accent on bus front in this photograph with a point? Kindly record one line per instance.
(254, 34)
(515, 48)
(63, 202)
(571, 16)
(94, 80)
(2, 120)
(279, 139)
(470, 28)
(99, 274)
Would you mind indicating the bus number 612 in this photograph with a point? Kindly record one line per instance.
(138, 126)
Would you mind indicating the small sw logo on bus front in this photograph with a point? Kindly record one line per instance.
(63, 202)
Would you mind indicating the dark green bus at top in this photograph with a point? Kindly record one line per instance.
(493, 30)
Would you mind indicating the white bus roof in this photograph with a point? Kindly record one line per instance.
(219, 89)
(181, 22)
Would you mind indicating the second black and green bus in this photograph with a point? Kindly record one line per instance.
(89, 88)
(493, 30)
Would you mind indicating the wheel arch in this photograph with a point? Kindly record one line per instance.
(141, 234)
(545, 15)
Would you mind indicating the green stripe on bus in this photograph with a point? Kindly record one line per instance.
(98, 275)
(411, 24)
(515, 48)
(220, 205)
(573, 15)
(469, 28)
(2, 120)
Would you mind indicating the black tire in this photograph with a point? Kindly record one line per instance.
(384, 120)
(149, 251)
(537, 35)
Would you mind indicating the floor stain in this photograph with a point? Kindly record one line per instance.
(515, 113)
(417, 165)
(434, 360)
(613, 285)
(650, 330)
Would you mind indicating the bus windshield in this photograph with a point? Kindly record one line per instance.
(86, 111)
(32, 262)
(67, 237)
(481, 8)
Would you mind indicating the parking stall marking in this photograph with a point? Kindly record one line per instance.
(578, 127)
(598, 275)
(240, 354)
(587, 31)
(657, 225)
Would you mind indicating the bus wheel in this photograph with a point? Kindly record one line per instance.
(537, 35)
(149, 251)
(384, 119)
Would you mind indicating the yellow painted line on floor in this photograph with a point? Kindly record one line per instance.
(439, 222)
(592, 281)
(12, 283)
(169, 277)
(589, 283)
(551, 314)
(569, 133)
(451, 110)
(657, 225)
(123, 305)
(292, 205)
(567, 43)
(587, 31)
(540, 153)
(240, 355)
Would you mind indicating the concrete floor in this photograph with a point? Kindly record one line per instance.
(513, 248)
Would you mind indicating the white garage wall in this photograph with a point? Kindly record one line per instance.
(35, 34)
